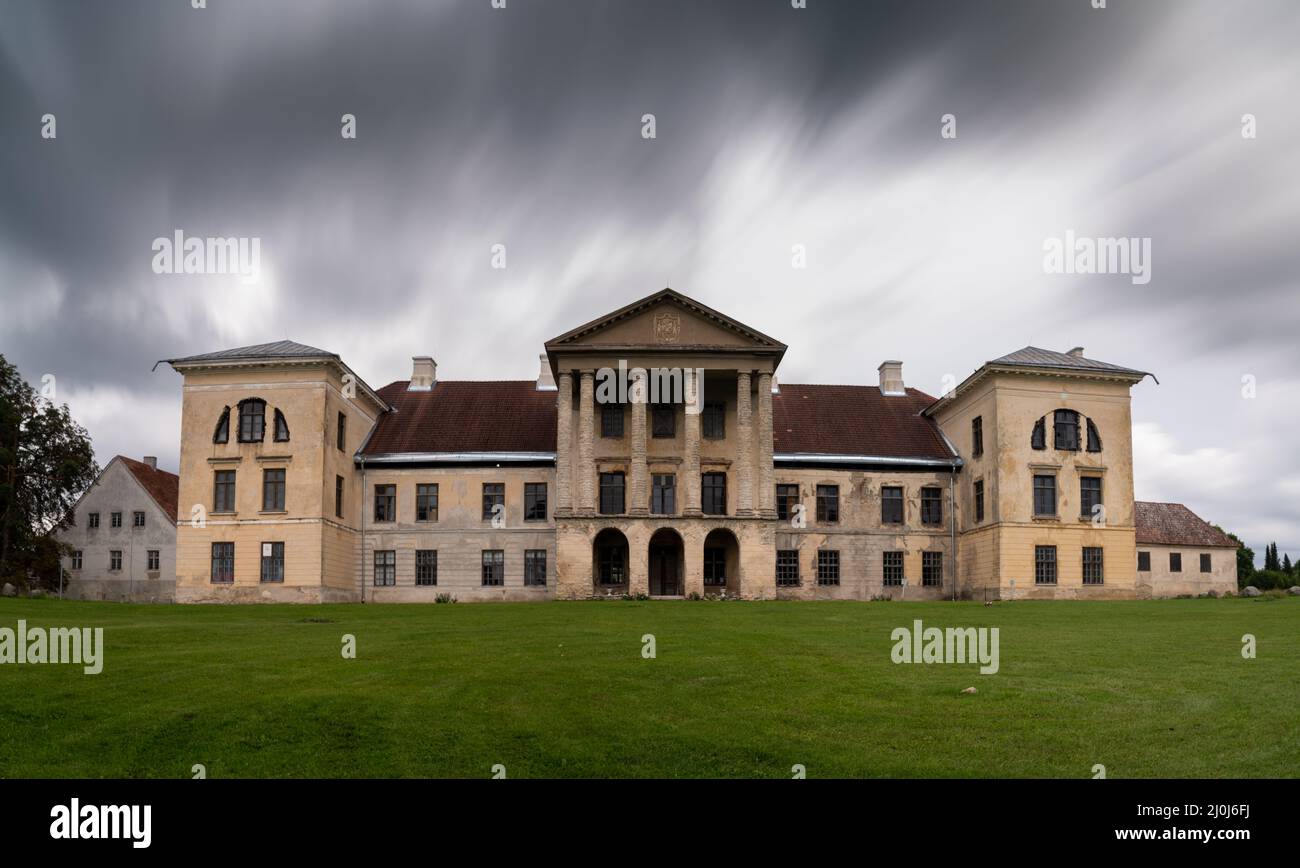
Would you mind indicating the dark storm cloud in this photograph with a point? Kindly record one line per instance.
(521, 126)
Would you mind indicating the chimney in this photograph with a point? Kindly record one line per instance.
(1077, 352)
(891, 378)
(152, 461)
(424, 373)
(545, 379)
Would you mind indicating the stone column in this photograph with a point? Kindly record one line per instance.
(744, 447)
(765, 475)
(586, 429)
(691, 460)
(564, 445)
(640, 481)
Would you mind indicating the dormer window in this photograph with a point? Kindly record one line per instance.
(1094, 439)
(222, 434)
(1038, 440)
(252, 420)
(1066, 430)
(281, 427)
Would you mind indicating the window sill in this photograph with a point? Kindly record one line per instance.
(272, 512)
(1055, 518)
(223, 512)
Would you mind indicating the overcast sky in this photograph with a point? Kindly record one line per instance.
(775, 127)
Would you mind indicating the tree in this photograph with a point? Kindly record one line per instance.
(1270, 558)
(46, 461)
(1286, 564)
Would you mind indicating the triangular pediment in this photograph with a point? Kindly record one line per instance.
(665, 320)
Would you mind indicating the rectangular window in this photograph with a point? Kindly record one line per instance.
(612, 493)
(1066, 430)
(426, 567)
(787, 497)
(828, 504)
(272, 491)
(1089, 495)
(92, 520)
(1205, 563)
(1175, 562)
(273, 562)
(1144, 562)
(338, 496)
(426, 502)
(715, 567)
(534, 501)
(932, 569)
(385, 568)
(223, 491)
(385, 503)
(611, 420)
(535, 568)
(977, 436)
(76, 559)
(828, 567)
(891, 504)
(1044, 565)
(115, 519)
(1093, 570)
(787, 567)
(713, 421)
(341, 434)
(223, 563)
(1045, 496)
(892, 574)
(494, 567)
(663, 494)
(494, 495)
(979, 500)
(153, 560)
(714, 493)
(611, 565)
(252, 421)
(931, 505)
(115, 560)
(663, 420)
(137, 519)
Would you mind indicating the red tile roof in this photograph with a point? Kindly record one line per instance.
(514, 416)
(162, 486)
(466, 416)
(1175, 525)
(855, 420)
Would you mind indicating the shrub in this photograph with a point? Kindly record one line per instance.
(444, 598)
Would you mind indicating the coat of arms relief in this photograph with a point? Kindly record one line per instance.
(668, 328)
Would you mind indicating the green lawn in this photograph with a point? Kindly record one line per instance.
(1149, 689)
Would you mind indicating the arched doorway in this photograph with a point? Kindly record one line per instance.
(609, 563)
(721, 563)
(667, 564)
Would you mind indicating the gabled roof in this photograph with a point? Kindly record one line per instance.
(856, 421)
(670, 296)
(1036, 357)
(285, 349)
(500, 416)
(162, 486)
(1173, 524)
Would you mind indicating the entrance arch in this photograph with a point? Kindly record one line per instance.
(667, 561)
(722, 562)
(609, 563)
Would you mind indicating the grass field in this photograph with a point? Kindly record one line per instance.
(1149, 689)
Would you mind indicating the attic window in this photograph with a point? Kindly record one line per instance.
(252, 420)
(222, 434)
(281, 427)
(1066, 430)
(1094, 439)
(1038, 440)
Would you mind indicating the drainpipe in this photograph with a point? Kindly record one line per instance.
(363, 530)
(952, 526)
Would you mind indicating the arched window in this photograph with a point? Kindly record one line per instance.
(1066, 430)
(222, 433)
(281, 427)
(252, 420)
(1038, 440)
(1094, 439)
